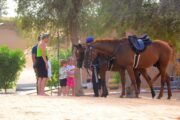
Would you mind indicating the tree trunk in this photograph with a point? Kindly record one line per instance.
(73, 31)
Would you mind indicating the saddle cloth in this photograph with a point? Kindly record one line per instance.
(139, 44)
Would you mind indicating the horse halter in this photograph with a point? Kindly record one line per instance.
(109, 59)
(88, 56)
(79, 55)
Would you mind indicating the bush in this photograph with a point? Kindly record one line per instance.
(116, 77)
(11, 62)
(65, 54)
(55, 73)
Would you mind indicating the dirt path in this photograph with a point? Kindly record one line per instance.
(86, 108)
(10, 37)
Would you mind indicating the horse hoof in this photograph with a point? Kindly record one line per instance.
(121, 96)
(159, 97)
(153, 96)
(169, 97)
(137, 96)
(95, 95)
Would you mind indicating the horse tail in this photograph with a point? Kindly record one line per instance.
(174, 60)
(173, 55)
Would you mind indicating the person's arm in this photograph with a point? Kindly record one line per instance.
(33, 58)
(33, 55)
(62, 71)
(43, 53)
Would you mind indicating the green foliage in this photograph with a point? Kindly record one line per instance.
(55, 73)
(99, 17)
(116, 78)
(65, 54)
(3, 7)
(11, 62)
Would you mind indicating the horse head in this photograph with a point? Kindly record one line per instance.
(79, 53)
(90, 56)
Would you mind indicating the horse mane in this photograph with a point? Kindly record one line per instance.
(110, 40)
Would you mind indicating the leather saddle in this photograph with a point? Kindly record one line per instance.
(139, 44)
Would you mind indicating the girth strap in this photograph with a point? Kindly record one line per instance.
(136, 60)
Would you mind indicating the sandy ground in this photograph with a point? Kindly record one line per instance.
(10, 37)
(14, 107)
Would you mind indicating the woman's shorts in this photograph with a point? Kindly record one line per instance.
(41, 67)
(63, 82)
(70, 82)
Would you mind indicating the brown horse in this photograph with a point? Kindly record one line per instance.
(104, 66)
(158, 53)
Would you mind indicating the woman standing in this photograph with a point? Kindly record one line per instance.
(42, 63)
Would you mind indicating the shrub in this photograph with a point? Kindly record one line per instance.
(116, 77)
(11, 63)
(65, 54)
(55, 73)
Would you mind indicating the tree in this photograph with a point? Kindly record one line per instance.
(3, 7)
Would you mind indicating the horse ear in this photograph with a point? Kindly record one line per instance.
(74, 45)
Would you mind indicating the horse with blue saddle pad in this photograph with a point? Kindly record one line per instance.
(158, 52)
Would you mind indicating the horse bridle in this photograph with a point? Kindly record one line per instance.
(89, 61)
(109, 59)
(81, 58)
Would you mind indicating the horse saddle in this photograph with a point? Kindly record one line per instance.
(139, 44)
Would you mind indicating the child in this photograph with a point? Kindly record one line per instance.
(70, 79)
(63, 77)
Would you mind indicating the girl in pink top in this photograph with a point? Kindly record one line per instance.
(70, 79)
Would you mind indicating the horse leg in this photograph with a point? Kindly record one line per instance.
(123, 81)
(133, 80)
(168, 86)
(148, 80)
(104, 89)
(163, 79)
(138, 80)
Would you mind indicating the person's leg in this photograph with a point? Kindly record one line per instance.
(60, 91)
(67, 92)
(39, 86)
(59, 88)
(73, 91)
(68, 85)
(64, 90)
(95, 85)
(43, 84)
(35, 70)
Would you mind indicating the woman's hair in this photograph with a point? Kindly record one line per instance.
(63, 62)
(43, 36)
